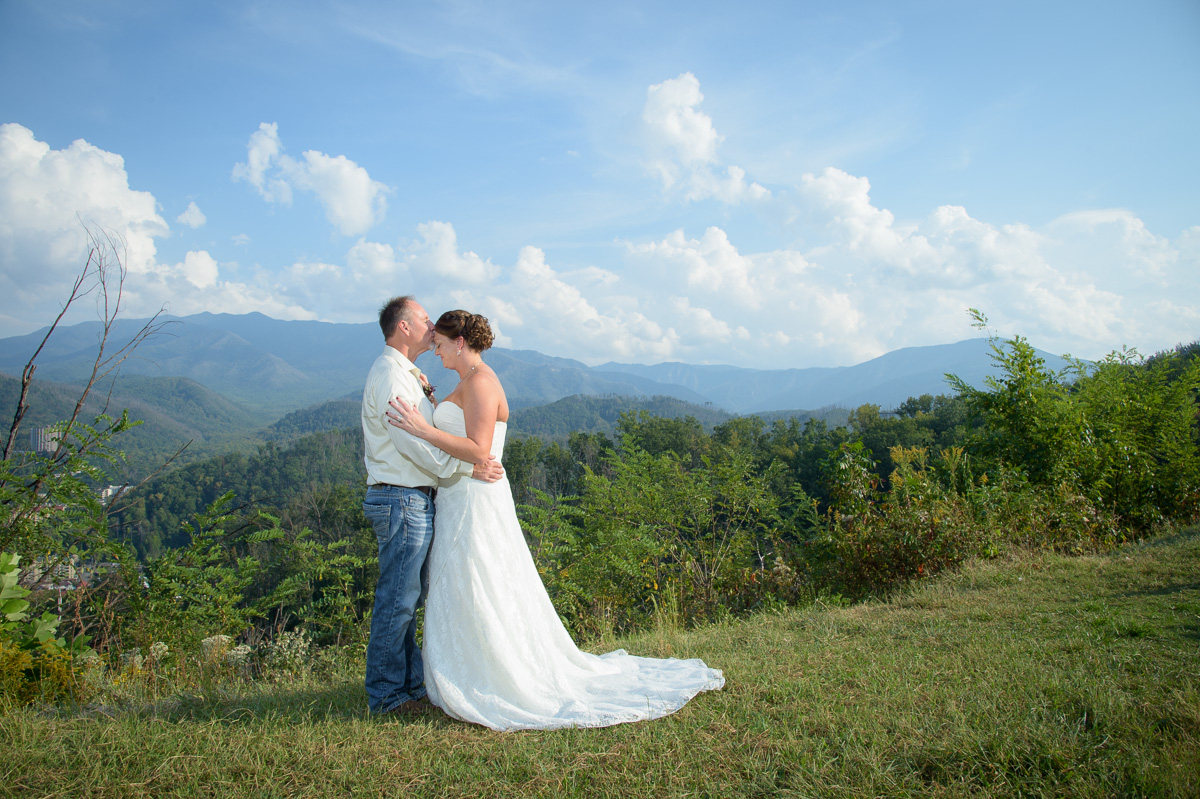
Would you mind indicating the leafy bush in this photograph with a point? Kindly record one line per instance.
(935, 514)
(1120, 435)
(35, 663)
(652, 532)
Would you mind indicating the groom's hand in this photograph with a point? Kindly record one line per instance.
(488, 471)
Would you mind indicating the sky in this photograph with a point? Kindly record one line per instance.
(764, 184)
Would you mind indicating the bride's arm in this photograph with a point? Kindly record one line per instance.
(481, 402)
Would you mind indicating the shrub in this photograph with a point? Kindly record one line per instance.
(1113, 442)
(34, 662)
(652, 532)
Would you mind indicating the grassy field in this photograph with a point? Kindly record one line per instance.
(1039, 676)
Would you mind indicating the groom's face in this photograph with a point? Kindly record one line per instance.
(418, 329)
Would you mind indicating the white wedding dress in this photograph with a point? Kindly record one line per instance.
(495, 651)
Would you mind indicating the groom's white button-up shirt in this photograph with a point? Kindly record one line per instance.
(392, 455)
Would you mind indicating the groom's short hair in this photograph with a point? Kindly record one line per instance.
(392, 312)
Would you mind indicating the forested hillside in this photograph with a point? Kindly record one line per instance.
(173, 410)
(271, 367)
(592, 414)
(319, 447)
(270, 479)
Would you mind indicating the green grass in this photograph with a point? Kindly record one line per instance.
(1038, 676)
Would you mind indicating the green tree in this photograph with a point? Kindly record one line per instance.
(1026, 418)
(1137, 452)
(658, 435)
(652, 531)
(1121, 433)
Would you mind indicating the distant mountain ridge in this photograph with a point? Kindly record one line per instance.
(270, 367)
(885, 381)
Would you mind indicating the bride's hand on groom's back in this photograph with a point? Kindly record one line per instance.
(407, 417)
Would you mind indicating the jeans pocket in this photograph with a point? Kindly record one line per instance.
(380, 517)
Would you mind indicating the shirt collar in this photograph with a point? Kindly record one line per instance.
(403, 362)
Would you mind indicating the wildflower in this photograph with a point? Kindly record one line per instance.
(239, 655)
(213, 647)
(132, 660)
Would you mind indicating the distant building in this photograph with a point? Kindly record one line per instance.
(66, 574)
(108, 492)
(44, 439)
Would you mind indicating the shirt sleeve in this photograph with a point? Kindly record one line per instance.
(424, 455)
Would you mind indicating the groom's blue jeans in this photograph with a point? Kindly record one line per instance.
(403, 522)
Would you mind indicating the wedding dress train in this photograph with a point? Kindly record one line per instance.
(495, 651)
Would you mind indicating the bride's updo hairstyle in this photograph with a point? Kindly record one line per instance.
(474, 329)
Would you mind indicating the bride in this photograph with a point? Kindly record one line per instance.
(495, 651)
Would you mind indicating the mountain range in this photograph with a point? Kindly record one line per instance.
(269, 367)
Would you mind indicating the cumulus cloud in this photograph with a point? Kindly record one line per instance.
(1081, 282)
(196, 285)
(530, 303)
(263, 155)
(684, 141)
(711, 265)
(437, 255)
(193, 217)
(353, 202)
(790, 302)
(700, 325)
(200, 269)
(554, 309)
(50, 200)
(369, 261)
(47, 197)
(853, 282)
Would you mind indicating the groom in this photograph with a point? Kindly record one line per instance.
(402, 472)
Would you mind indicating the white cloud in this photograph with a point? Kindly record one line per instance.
(684, 145)
(701, 326)
(777, 297)
(437, 256)
(200, 269)
(47, 197)
(711, 265)
(1082, 282)
(595, 276)
(353, 202)
(671, 111)
(263, 154)
(855, 281)
(193, 217)
(530, 304)
(372, 261)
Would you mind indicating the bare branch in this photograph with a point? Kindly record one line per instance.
(77, 291)
(112, 256)
(105, 270)
(124, 492)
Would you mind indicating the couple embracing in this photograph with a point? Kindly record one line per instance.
(494, 651)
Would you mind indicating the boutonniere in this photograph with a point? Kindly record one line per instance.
(428, 389)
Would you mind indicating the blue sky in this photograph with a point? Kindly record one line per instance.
(776, 184)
